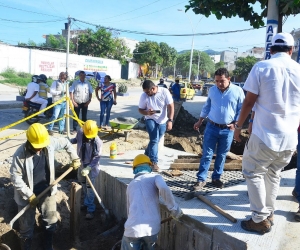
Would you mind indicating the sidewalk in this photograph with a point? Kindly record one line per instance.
(8, 97)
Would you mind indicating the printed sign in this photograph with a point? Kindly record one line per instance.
(271, 30)
(46, 66)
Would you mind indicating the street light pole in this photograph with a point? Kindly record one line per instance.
(192, 49)
(236, 51)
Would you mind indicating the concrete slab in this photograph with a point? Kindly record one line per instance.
(234, 200)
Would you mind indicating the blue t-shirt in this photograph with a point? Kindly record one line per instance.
(176, 90)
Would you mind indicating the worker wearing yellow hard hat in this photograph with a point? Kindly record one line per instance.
(89, 148)
(143, 222)
(33, 171)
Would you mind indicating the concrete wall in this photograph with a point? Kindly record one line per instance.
(188, 234)
(52, 63)
(133, 70)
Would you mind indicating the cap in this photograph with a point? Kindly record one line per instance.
(287, 39)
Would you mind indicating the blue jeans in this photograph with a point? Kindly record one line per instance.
(105, 107)
(88, 192)
(297, 184)
(145, 243)
(155, 131)
(176, 99)
(58, 111)
(214, 136)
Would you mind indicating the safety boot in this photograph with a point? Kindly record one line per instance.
(261, 227)
(48, 239)
(26, 243)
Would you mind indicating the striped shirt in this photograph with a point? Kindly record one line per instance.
(44, 89)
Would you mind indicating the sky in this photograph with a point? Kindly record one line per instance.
(21, 21)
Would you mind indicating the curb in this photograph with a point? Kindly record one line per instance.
(10, 104)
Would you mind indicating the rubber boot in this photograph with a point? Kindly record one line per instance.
(26, 243)
(48, 239)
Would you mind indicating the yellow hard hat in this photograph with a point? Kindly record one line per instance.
(141, 159)
(177, 79)
(38, 136)
(90, 129)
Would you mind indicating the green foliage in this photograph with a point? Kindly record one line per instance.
(148, 52)
(244, 66)
(31, 43)
(205, 63)
(168, 54)
(24, 75)
(122, 88)
(100, 43)
(17, 81)
(93, 82)
(9, 73)
(244, 9)
(220, 64)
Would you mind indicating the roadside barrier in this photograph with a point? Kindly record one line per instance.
(73, 116)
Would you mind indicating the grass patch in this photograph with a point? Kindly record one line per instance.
(17, 81)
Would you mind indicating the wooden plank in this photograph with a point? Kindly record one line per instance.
(198, 160)
(75, 200)
(228, 156)
(195, 166)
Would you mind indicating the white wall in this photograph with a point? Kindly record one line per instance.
(133, 70)
(52, 63)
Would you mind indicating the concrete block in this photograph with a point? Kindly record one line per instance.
(20, 98)
(221, 240)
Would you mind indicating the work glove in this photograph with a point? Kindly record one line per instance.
(176, 214)
(76, 164)
(86, 171)
(33, 201)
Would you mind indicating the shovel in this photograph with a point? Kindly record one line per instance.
(191, 195)
(39, 196)
(96, 194)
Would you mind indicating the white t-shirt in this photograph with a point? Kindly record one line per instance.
(31, 88)
(277, 109)
(143, 205)
(159, 101)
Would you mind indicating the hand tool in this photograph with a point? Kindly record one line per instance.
(96, 194)
(21, 212)
(191, 195)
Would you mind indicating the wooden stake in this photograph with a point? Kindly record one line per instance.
(75, 199)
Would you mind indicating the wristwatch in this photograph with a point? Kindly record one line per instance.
(237, 127)
(170, 120)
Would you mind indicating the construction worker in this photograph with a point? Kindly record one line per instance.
(143, 222)
(32, 171)
(89, 148)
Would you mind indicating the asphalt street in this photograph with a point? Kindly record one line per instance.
(127, 106)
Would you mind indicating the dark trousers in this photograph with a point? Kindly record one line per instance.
(83, 114)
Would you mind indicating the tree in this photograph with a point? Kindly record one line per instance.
(220, 64)
(53, 42)
(244, 9)
(205, 63)
(31, 43)
(168, 54)
(148, 52)
(100, 43)
(244, 66)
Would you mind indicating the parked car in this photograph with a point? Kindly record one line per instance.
(206, 88)
(187, 91)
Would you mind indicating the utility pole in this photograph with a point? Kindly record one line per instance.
(272, 25)
(67, 83)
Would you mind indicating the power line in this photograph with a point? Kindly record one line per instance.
(5, 6)
(49, 21)
(147, 14)
(164, 34)
(131, 10)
